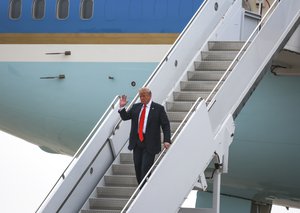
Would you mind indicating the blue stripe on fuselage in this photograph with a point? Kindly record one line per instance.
(113, 16)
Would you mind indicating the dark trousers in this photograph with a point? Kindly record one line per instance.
(143, 160)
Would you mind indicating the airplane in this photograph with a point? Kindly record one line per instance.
(109, 23)
(54, 94)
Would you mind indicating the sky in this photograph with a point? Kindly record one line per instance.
(28, 174)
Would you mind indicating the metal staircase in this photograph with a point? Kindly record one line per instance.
(195, 69)
(119, 183)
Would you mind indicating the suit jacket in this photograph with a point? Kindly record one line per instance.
(157, 119)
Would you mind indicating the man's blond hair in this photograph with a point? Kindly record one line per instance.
(145, 90)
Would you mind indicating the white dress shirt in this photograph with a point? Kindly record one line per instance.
(146, 115)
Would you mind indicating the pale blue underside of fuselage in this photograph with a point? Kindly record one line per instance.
(61, 112)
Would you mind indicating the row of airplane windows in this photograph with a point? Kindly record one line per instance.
(62, 9)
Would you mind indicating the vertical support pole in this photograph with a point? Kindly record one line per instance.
(216, 191)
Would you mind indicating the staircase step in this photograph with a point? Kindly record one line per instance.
(126, 158)
(120, 180)
(108, 203)
(190, 96)
(197, 85)
(174, 126)
(123, 169)
(218, 55)
(114, 191)
(205, 75)
(225, 45)
(176, 116)
(212, 65)
(100, 211)
(182, 106)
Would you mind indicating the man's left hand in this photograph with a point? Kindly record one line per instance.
(167, 145)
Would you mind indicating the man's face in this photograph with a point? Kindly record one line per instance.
(145, 97)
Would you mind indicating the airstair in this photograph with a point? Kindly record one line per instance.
(120, 183)
(203, 81)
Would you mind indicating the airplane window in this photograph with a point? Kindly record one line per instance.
(38, 9)
(87, 9)
(62, 9)
(15, 7)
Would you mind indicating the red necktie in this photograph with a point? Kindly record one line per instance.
(141, 124)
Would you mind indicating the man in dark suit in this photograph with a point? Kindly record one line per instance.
(147, 119)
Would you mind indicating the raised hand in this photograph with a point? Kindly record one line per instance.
(123, 100)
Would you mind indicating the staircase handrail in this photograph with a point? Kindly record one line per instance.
(210, 102)
(162, 153)
(81, 148)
